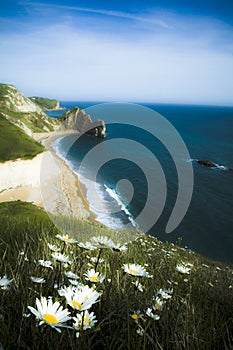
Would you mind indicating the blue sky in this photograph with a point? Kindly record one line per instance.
(158, 51)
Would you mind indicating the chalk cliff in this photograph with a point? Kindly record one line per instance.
(77, 119)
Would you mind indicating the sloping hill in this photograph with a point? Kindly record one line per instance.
(15, 143)
(46, 103)
(23, 112)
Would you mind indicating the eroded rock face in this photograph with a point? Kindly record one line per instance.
(77, 119)
(206, 163)
(98, 129)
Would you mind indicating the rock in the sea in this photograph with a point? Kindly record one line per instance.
(207, 163)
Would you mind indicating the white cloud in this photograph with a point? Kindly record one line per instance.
(69, 63)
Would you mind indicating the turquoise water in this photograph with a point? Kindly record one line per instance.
(208, 134)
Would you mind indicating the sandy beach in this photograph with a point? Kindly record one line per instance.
(46, 181)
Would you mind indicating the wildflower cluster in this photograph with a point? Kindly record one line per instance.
(72, 308)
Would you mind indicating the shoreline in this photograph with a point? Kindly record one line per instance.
(46, 140)
(46, 181)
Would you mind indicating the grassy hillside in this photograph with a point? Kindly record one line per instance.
(15, 143)
(132, 312)
(45, 103)
(23, 112)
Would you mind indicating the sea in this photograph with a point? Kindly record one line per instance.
(139, 165)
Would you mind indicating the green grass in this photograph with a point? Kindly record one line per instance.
(36, 122)
(15, 143)
(44, 103)
(198, 316)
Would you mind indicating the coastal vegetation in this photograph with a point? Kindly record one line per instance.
(85, 286)
(139, 293)
(15, 143)
(23, 112)
(46, 103)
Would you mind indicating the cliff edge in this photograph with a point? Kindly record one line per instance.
(77, 119)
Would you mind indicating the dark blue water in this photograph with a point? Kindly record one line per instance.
(208, 134)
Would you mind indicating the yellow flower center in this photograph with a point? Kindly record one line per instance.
(49, 318)
(133, 272)
(94, 278)
(66, 239)
(87, 321)
(76, 305)
(134, 316)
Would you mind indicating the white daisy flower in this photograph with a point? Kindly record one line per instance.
(38, 280)
(87, 246)
(5, 282)
(66, 239)
(85, 321)
(71, 274)
(50, 313)
(140, 331)
(118, 248)
(61, 258)
(94, 277)
(204, 265)
(53, 247)
(150, 314)
(102, 242)
(165, 293)
(136, 316)
(45, 263)
(74, 282)
(138, 285)
(94, 260)
(158, 304)
(135, 270)
(80, 299)
(183, 269)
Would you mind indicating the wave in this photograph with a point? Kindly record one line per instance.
(221, 167)
(98, 203)
(112, 193)
(216, 165)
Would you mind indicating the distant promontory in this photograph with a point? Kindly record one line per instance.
(47, 103)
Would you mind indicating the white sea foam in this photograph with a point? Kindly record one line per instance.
(221, 167)
(112, 193)
(100, 204)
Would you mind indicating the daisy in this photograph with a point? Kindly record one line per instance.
(53, 247)
(138, 285)
(80, 299)
(94, 277)
(61, 258)
(45, 263)
(118, 248)
(183, 269)
(85, 321)
(135, 270)
(87, 246)
(165, 293)
(150, 314)
(102, 242)
(158, 304)
(66, 239)
(5, 282)
(136, 316)
(94, 260)
(74, 282)
(140, 331)
(71, 274)
(50, 313)
(38, 280)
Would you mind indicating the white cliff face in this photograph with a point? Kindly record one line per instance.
(17, 102)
